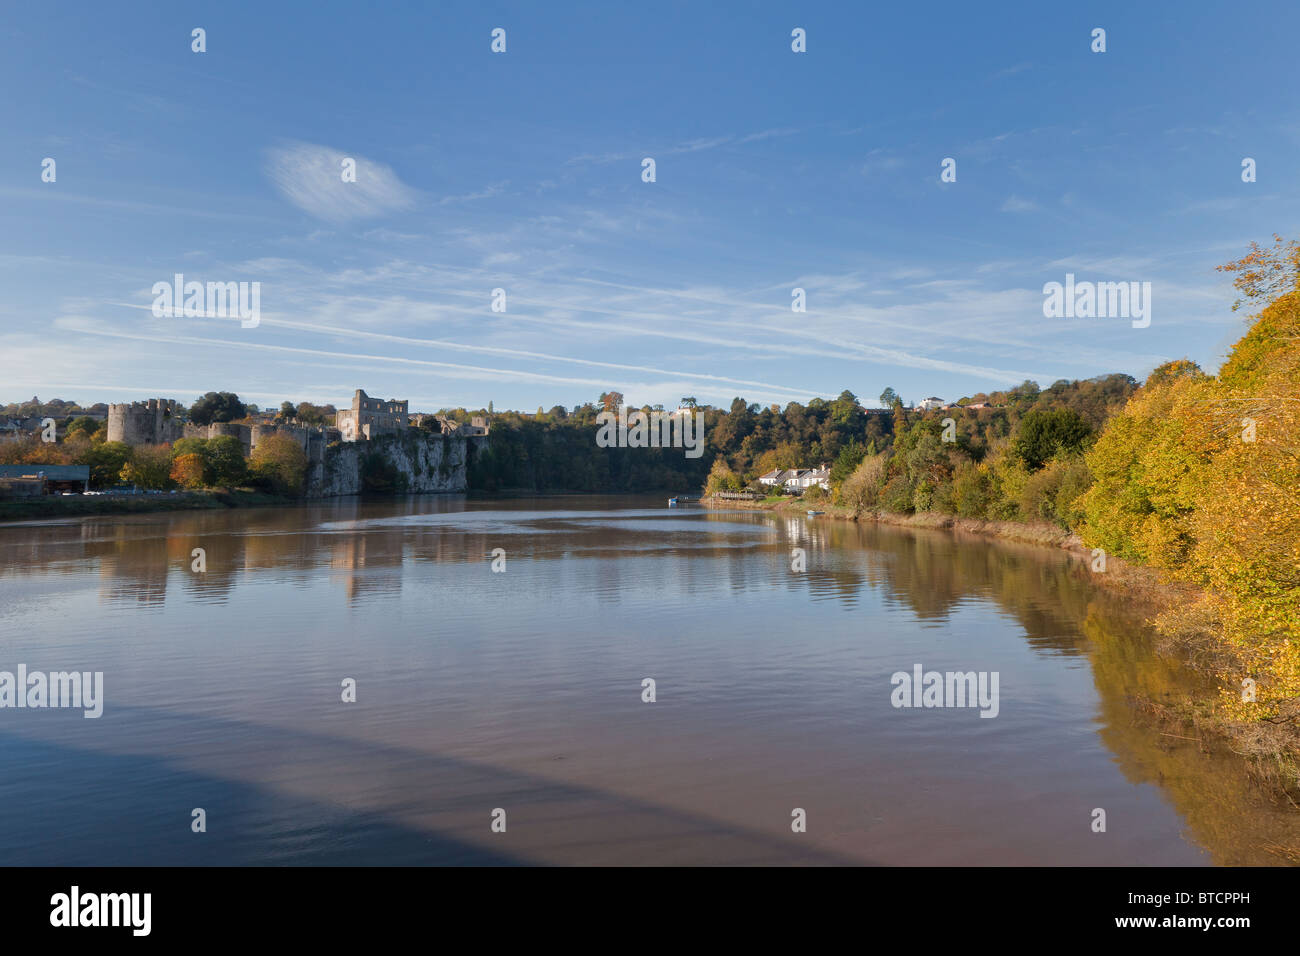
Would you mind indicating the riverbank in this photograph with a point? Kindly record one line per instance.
(74, 506)
(1119, 573)
(1271, 747)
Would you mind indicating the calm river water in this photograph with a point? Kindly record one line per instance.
(521, 691)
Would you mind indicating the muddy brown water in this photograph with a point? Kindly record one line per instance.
(522, 691)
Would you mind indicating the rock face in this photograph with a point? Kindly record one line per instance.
(412, 462)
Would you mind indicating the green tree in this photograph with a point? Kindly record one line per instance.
(225, 457)
(82, 425)
(150, 467)
(1045, 434)
(846, 461)
(106, 461)
(217, 407)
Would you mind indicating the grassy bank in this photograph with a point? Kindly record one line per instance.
(57, 506)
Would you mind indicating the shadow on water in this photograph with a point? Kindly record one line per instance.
(369, 805)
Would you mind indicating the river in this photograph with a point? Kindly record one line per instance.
(499, 651)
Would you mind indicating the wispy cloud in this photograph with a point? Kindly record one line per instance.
(1012, 70)
(690, 146)
(880, 161)
(766, 134)
(310, 177)
(1016, 204)
(495, 189)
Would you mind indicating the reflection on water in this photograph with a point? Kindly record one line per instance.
(522, 690)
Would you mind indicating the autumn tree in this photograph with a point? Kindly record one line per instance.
(1198, 476)
(189, 471)
(1265, 275)
(279, 463)
(150, 467)
(722, 478)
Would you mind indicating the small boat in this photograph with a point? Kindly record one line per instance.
(812, 513)
(672, 502)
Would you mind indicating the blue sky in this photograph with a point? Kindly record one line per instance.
(522, 171)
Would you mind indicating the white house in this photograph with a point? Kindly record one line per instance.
(771, 478)
(820, 476)
(930, 403)
(799, 480)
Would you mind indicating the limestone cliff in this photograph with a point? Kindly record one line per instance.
(413, 462)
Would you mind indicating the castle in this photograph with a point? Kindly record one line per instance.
(337, 457)
(154, 422)
(369, 417)
(158, 422)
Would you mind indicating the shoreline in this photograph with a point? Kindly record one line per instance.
(46, 507)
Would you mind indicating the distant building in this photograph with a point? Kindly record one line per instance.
(819, 476)
(798, 480)
(929, 404)
(12, 429)
(50, 479)
(449, 426)
(370, 417)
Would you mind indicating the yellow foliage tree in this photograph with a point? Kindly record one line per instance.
(1200, 477)
(280, 462)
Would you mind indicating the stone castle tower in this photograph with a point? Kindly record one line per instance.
(144, 423)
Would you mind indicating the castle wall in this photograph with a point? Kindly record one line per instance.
(296, 432)
(242, 432)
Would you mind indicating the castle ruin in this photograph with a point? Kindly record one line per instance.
(154, 422)
(370, 417)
